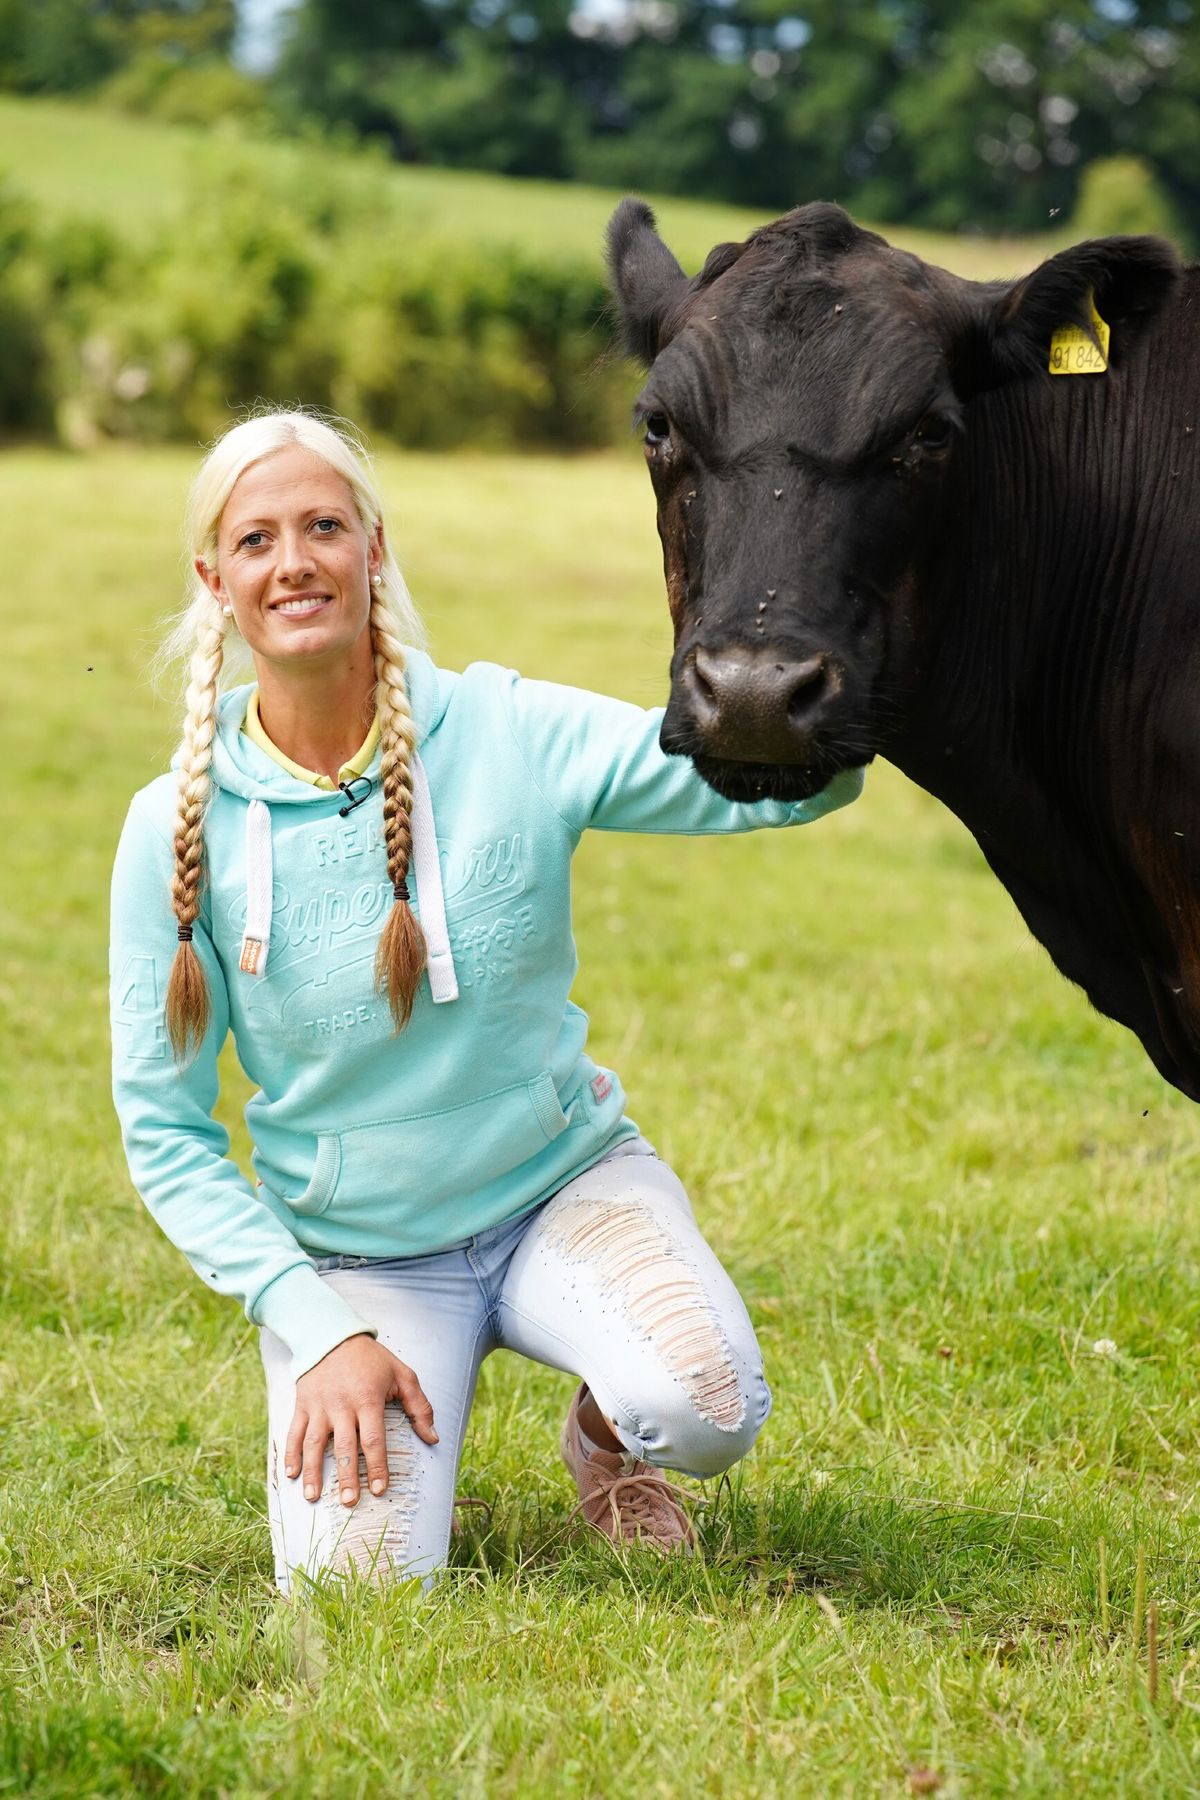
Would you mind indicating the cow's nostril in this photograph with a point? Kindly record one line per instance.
(704, 686)
(806, 681)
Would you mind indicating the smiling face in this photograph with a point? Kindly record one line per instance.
(295, 562)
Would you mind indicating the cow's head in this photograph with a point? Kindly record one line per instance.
(804, 404)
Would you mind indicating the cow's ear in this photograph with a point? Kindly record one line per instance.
(646, 279)
(1127, 278)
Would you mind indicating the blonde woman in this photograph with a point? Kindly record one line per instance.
(360, 868)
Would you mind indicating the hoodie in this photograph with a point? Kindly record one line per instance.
(367, 1141)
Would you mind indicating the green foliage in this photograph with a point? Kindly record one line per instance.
(64, 46)
(186, 91)
(946, 116)
(940, 115)
(1120, 194)
(26, 378)
(307, 286)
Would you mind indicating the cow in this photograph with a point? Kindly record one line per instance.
(888, 529)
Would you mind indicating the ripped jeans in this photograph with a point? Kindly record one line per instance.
(609, 1280)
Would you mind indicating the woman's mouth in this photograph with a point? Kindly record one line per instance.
(303, 606)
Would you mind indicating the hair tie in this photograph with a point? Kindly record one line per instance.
(400, 891)
(185, 934)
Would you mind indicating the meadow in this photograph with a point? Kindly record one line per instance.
(960, 1205)
(80, 161)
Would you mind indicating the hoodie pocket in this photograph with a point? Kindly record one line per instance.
(426, 1158)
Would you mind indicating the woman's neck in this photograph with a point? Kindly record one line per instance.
(317, 717)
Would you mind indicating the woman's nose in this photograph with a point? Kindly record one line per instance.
(294, 558)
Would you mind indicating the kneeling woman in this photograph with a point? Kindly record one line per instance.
(361, 869)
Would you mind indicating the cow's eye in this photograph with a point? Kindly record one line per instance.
(933, 434)
(658, 428)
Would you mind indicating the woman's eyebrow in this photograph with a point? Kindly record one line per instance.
(256, 521)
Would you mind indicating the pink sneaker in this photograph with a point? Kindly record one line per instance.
(621, 1497)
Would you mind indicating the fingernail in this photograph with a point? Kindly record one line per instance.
(378, 1485)
(434, 1438)
(348, 1496)
(310, 1492)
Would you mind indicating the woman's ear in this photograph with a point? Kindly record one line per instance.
(212, 581)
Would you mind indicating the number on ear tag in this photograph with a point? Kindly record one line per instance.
(1073, 352)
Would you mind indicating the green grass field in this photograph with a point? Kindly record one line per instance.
(938, 1178)
(80, 160)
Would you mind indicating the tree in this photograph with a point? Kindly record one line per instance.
(62, 46)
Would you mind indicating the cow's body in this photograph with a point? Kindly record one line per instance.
(1056, 709)
(1012, 617)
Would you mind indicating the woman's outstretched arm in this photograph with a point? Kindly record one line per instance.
(599, 764)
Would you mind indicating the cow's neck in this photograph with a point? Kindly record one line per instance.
(1059, 673)
(1059, 597)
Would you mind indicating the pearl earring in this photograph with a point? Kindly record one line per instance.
(228, 611)
(377, 581)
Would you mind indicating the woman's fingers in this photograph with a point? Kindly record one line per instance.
(345, 1456)
(373, 1435)
(412, 1398)
(316, 1436)
(346, 1393)
(295, 1440)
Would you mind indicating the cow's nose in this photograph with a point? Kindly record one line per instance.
(754, 705)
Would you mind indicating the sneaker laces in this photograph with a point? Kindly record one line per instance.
(634, 1498)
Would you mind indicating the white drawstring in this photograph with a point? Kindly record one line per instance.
(427, 873)
(259, 877)
(443, 982)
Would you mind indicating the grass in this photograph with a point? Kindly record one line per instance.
(80, 160)
(938, 1178)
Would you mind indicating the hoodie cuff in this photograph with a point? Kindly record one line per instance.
(840, 790)
(310, 1316)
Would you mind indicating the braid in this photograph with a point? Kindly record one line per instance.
(400, 959)
(187, 990)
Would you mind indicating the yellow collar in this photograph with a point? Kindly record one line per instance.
(358, 764)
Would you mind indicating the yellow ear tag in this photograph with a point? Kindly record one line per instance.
(1072, 351)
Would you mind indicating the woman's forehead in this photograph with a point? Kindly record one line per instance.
(286, 481)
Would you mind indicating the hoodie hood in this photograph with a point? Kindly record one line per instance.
(240, 767)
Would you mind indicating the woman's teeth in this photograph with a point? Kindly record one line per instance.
(293, 607)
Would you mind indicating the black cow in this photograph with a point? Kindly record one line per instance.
(887, 528)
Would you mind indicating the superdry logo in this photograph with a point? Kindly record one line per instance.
(484, 876)
(318, 926)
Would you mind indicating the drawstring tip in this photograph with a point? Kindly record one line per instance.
(253, 959)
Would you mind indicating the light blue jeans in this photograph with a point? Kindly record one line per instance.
(610, 1280)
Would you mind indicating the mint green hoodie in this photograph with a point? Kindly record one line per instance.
(367, 1142)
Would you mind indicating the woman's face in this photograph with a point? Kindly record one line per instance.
(294, 561)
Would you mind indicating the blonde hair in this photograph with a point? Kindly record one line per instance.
(198, 634)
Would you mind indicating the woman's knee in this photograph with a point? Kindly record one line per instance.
(700, 1423)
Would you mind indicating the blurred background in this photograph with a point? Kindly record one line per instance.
(395, 208)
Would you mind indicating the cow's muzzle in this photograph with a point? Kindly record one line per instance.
(751, 705)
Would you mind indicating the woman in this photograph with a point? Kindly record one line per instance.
(360, 868)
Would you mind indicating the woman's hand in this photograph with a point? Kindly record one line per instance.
(345, 1394)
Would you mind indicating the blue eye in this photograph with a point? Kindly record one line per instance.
(333, 523)
(250, 538)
